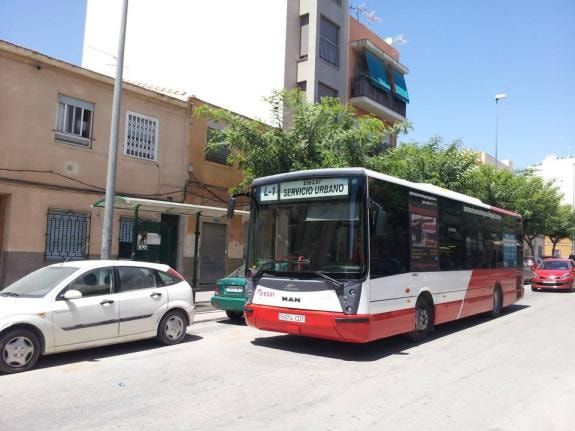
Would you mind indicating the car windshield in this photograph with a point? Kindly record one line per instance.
(310, 234)
(238, 272)
(38, 283)
(554, 264)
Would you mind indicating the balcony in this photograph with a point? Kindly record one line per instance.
(372, 99)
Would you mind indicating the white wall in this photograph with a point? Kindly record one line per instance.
(562, 170)
(229, 53)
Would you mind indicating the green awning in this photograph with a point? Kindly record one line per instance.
(130, 203)
(399, 86)
(377, 72)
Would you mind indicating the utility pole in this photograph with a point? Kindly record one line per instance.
(113, 148)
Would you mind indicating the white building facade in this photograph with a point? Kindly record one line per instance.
(234, 54)
(229, 53)
(561, 170)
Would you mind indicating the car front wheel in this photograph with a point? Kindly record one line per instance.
(172, 328)
(19, 350)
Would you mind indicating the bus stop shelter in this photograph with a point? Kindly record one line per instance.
(140, 205)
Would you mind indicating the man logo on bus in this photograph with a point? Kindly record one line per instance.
(290, 299)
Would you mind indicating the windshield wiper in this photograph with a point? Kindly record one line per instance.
(9, 294)
(333, 281)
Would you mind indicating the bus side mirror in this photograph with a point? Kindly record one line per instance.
(231, 207)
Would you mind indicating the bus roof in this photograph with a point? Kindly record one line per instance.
(423, 187)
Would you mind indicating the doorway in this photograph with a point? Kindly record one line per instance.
(212, 254)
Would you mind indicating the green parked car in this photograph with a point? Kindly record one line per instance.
(229, 294)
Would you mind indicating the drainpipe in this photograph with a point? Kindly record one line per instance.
(196, 245)
(135, 233)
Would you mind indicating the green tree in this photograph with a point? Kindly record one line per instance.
(560, 225)
(321, 135)
(497, 187)
(445, 165)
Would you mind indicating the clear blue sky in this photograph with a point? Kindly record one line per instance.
(460, 54)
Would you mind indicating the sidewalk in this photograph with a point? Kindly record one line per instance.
(204, 309)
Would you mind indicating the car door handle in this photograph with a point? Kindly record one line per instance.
(106, 302)
(155, 295)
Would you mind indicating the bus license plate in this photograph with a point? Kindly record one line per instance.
(298, 318)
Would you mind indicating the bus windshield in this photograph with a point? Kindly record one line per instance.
(310, 233)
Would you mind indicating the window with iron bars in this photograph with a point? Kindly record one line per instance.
(67, 235)
(141, 136)
(74, 121)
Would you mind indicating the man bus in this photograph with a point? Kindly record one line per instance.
(353, 255)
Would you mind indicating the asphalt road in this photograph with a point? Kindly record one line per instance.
(516, 372)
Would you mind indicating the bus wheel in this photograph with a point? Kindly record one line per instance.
(497, 302)
(423, 320)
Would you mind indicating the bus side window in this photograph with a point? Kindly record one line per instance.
(389, 230)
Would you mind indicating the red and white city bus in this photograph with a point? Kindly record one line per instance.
(353, 255)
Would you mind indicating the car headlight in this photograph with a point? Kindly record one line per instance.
(564, 276)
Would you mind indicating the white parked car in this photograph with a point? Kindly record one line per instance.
(81, 304)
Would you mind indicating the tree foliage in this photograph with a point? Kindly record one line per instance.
(560, 225)
(322, 135)
(330, 135)
(445, 165)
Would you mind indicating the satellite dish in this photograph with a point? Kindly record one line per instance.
(388, 40)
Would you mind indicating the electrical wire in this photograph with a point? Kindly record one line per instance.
(98, 189)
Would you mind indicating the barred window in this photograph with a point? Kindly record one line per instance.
(219, 154)
(141, 136)
(74, 121)
(329, 42)
(67, 235)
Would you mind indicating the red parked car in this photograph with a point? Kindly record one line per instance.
(554, 273)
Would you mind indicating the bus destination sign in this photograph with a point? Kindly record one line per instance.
(305, 189)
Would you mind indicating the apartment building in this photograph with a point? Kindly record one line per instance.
(55, 122)
(236, 53)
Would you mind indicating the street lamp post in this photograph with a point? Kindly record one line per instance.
(497, 98)
(573, 205)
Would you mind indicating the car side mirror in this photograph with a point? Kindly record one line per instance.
(72, 294)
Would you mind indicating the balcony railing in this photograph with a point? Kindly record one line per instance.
(361, 86)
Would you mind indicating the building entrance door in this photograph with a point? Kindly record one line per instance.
(155, 241)
(212, 254)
